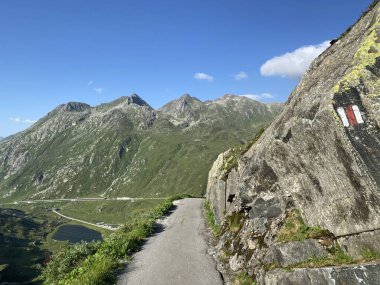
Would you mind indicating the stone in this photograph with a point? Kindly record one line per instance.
(285, 254)
(354, 245)
(270, 208)
(236, 262)
(365, 274)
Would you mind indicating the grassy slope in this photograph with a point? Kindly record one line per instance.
(97, 263)
(111, 212)
(37, 223)
(21, 250)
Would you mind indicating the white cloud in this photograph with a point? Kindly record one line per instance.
(203, 76)
(293, 64)
(99, 90)
(258, 97)
(241, 75)
(18, 120)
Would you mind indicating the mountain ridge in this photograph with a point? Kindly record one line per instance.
(125, 147)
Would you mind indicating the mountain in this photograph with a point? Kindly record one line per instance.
(126, 148)
(307, 193)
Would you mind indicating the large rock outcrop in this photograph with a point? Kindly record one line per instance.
(320, 158)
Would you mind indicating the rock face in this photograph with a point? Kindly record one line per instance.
(321, 156)
(125, 147)
(347, 275)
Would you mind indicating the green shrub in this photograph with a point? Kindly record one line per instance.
(63, 263)
(97, 269)
(243, 278)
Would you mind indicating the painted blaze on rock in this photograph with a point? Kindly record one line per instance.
(362, 131)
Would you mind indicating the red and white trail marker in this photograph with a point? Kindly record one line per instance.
(350, 115)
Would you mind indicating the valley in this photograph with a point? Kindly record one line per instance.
(31, 230)
(224, 190)
(81, 172)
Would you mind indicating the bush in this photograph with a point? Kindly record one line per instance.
(63, 263)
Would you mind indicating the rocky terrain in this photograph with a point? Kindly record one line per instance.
(307, 193)
(126, 148)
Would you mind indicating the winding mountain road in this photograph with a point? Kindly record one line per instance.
(84, 222)
(177, 255)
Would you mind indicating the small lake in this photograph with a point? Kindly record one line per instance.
(76, 233)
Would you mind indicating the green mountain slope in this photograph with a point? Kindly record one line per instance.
(126, 148)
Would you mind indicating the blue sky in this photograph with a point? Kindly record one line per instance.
(95, 51)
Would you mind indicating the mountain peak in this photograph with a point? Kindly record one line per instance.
(136, 99)
(75, 107)
(187, 97)
(127, 100)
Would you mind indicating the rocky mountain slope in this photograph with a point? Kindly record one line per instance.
(308, 192)
(126, 148)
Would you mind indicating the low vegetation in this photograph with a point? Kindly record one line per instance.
(210, 219)
(96, 263)
(235, 222)
(22, 253)
(295, 229)
(368, 254)
(243, 278)
(337, 257)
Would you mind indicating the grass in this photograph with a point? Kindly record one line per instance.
(243, 278)
(96, 263)
(338, 257)
(110, 212)
(210, 219)
(368, 254)
(295, 229)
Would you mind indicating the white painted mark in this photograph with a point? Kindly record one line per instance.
(358, 114)
(360, 280)
(343, 116)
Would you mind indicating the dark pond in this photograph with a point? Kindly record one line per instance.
(76, 233)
